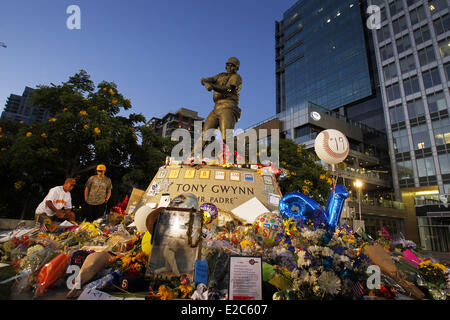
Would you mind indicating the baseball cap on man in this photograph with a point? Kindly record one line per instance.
(101, 167)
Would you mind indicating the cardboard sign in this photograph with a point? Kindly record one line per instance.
(135, 197)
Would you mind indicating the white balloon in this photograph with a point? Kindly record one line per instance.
(140, 218)
(331, 146)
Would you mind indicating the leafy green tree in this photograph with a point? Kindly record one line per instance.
(305, 175)
(85, 129)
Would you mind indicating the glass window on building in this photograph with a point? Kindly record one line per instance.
(396, 114)
(434, 233)
(393, 92)
(444, 163)
(426, 55)
(441, 131)
(390, 71)
(415, 108)
(436, 102)
(425, 167)
(386, 52)
(420, 136)
(411, 85)
(444, 47)
(442, 24)
(447, 188)
(395, 7)
(407, 64)
(431, 78)
(422, 34)
(403, 44)
(411, 2)
(447, 71)
(404, 170)
(383, 33)
(417, 14)
(378, 2)
(401, 143)
(399, 24)
(437, 5)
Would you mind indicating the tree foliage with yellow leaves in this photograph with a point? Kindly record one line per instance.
(85, 129)
(305, 175)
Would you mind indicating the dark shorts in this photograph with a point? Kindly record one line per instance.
(93, 212)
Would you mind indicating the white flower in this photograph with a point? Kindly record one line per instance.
(301, 261)
(329, 283)
(315, 250)
(327, 252)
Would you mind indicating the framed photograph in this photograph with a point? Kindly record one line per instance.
(162, 174)
(248, 177)
(235, 176)
(176, 244)
(268, 180)
(219, 175)
(189, 174)
(173, 174)
(204, 174)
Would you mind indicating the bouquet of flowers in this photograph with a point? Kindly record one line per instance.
(434, 277)
(317, 263)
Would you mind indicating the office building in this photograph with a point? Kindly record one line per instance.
(182, 118)
(17, 108)
(412, 49)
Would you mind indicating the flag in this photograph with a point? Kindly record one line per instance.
(43, 228)
(357, 289)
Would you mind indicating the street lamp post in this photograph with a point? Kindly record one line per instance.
(358, 184)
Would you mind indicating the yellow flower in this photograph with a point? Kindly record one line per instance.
(307, 182)
(18, 185)
(54, 149)
(65, 109)
(111, 92)
(293, 173)
(104, 89)
(21, 122)
(115, 101)
(86, 126)
(305, 189)
(44, 135)
(322, 177)
(330, 181)
(85, 99)
(29, 134)
(97, 130)
(52, 120)
(299, 149)
(83, 113)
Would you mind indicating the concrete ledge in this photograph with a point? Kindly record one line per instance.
(10, 224)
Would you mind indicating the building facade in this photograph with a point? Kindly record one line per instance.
(18, 109)
(413, 55)
(182, 118)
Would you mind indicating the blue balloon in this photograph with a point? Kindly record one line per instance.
(335, 205)
(298, 205)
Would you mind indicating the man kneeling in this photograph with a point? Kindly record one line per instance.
(57, 199)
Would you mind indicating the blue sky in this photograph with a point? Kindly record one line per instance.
(155, 51)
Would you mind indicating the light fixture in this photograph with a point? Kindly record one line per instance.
(358, 184)
(425, 193)
(432, 7)
(338, 14)
(351, 5)
(328, 20)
